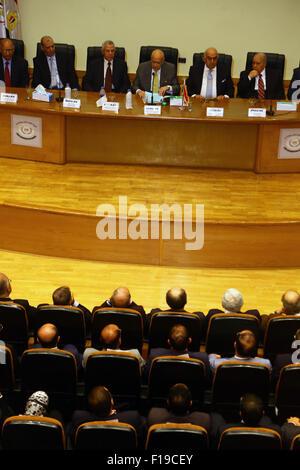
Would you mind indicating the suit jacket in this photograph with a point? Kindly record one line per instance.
(168, 76)
(224, 81)
(94, 78)
(42, 75)
(279, 362)
(291, 90)
(274, 86)
(19, 72)
(162, 415)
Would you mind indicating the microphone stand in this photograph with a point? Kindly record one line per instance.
(59, 99)
(270, 111)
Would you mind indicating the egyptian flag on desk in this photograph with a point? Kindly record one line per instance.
(12, 19)
(185, 96)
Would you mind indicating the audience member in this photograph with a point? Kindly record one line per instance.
(13, 68)
(179, 409)
(285, 359)
(100, 407)
(294, 86)
(110, 340)
(5, 409)
(107, 71)
(261, 82)
(289, 430)
(290, 306)
(245, 349)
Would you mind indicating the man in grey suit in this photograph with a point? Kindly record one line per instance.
(156, 76)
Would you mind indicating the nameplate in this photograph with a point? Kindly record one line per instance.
(176, 101)
(257, 112)
(69, 103)
(215, 112)
(8, 98)
(286, 106)
(111, 106)
(152, 109)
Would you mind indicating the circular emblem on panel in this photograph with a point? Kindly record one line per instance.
(26, 130)
(292, 143)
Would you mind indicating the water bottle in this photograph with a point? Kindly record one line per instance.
(68, 91)
(129, 100)
(102, 92)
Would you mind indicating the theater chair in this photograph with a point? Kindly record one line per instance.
(279, 335)
(287, 392)
(244, 438)
(7, 370)
(176, 437)
(15, 330)
(224, 59)
(171, 54)
(105, 435)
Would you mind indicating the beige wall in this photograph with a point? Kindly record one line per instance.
(190, 25)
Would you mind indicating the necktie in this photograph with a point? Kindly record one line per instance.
(6, 75)
(209, 84)
(261, 88)
(53, 83)
(155, 83)
(108, 81)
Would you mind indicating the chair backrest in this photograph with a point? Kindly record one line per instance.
(248, 438)
(51, 370)
(19, 46)
(171, 53)
(128, 320)
(120, 372)
(287, 392)
(93, 52)
(224, 59)
(222, 330)
(15, 325)
(176, 436)
(235, 378)
(7, 372)
(166, 371)
(295, 444)
(162, 322)
(105, 435)
(274, 61)
(279, 334)
(67, 50)
(69, 320)
(32, 433)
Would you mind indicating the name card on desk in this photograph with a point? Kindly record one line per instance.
(69, 103)
(152, 110)
(215, 112)
(257, 112)
(111, 106)
(286, 106)
(8, 98)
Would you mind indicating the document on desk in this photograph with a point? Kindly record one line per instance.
(156, 97)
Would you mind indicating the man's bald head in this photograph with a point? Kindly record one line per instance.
(291, 302)
(211, 57)
(176, 298)
(110, 336)
(157, 59)
(7, 48)
(5, 287)
(48, 335)
(259, 62)
(121, 297)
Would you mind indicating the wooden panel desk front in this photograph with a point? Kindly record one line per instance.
(177, 137)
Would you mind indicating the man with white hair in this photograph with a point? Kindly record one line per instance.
(232, 302)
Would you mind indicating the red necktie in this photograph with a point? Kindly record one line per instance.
(108, 81)
(6, 75)
(261, 88)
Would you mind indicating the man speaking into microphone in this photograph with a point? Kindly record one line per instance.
(156, 76)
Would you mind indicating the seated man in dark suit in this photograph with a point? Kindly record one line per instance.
(13, 69)
(210, 79)
(261, 82)
(289, 430)
(294, 86)
(290, 306)
(179, 409)
(52, 69)
(156, 76)
(107, 71)
(100, 407)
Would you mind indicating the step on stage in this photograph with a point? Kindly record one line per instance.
(250, 220)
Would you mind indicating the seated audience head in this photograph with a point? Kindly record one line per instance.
(179, 339)
(37, 404)
(7, 49)
(179, 399)
(232, 301)
(48, 336)
(157, 59)
(211, 57)
(5, 286)
(108, 50)
(245, 344)
(291, 302)
(48, 46)
(251, 409)
(100, 401)
(121, 297)
(259, 62)
(62, 296)
(176, 298)
(110, 337)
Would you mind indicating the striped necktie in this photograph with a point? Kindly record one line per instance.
(209, 84)
(261, 88)
(53, 83)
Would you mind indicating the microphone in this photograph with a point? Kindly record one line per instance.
(270, 111)
(152, 88)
